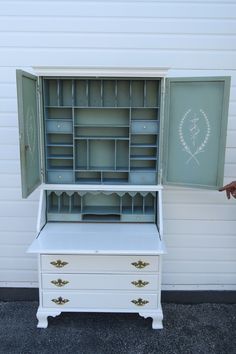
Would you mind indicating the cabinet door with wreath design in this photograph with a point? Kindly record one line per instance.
(196, 115)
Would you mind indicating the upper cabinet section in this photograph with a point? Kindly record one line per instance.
(107, 131)
(29, 132)
(103, 131)
(196, 114)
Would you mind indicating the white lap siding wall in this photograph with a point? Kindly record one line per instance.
(192, 38)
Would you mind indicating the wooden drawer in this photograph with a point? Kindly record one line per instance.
(60, 177)
(100, 300)
(144, 282)
(59, 126)
(99, 264)
(144, 127)
(143, 177)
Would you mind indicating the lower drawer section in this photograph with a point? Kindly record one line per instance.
(100, 300)
(144, 282)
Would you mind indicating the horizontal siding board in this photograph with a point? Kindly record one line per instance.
(120, 25)
(190, 196)
(16, 238)
(201, 254)
(10, 263)
(13, 251)
(199, 267)
(211, 227)
(203, 241)
(20, 224)
(10, 180)
(8, 119)
(231, 139)
(112, 57)
(108, 9)
(200, 212)
(230, 155)
(9, 152)
(106, 40)
(19, 209)
(12, 166)
(15, 275)
(7, 90)
(202, 278)
(14, 194)
(9, 135)
(8, 105)
(230, 170)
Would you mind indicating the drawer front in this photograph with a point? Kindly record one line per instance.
(60, 177)
(99, 264)
(144, 127)
(134, 282)
(59, 126)
(100, 300)
(143, 177)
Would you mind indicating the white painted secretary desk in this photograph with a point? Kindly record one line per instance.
(102, 143)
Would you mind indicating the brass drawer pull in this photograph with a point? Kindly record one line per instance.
(59, 264)
(140, 283)
(60, 301)
(140, 264)
(59, 282)
(140, 302)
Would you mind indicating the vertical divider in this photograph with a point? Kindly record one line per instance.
(129, 152)
(70, 203)
(101, 93)
(132, 203)
(58, 92)
(87, 93)
(145, 94)
(81, 204)
(130, 93)
(49, 205)
(101, 177)
(59, 203)
(116, 94)
(87, 146)
(121, 204)
(144, 197)
(115, 153)
(73, 127)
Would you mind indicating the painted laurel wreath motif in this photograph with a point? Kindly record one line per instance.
(194, 150)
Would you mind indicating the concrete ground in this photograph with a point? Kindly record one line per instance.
(188, 329)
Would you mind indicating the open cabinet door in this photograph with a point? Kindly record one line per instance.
(29, 132)
(195, 124)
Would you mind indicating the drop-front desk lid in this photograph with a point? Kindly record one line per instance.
(100, 238)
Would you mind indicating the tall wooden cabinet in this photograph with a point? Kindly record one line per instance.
(102, 147)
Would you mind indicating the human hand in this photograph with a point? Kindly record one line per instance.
(230, 189)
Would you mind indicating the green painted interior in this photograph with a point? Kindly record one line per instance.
(92, 125)
(101, 206)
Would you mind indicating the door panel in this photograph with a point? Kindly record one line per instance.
(195, 131)
(29, 132)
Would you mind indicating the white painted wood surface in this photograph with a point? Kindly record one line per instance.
(103, 238)
(192, 38)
